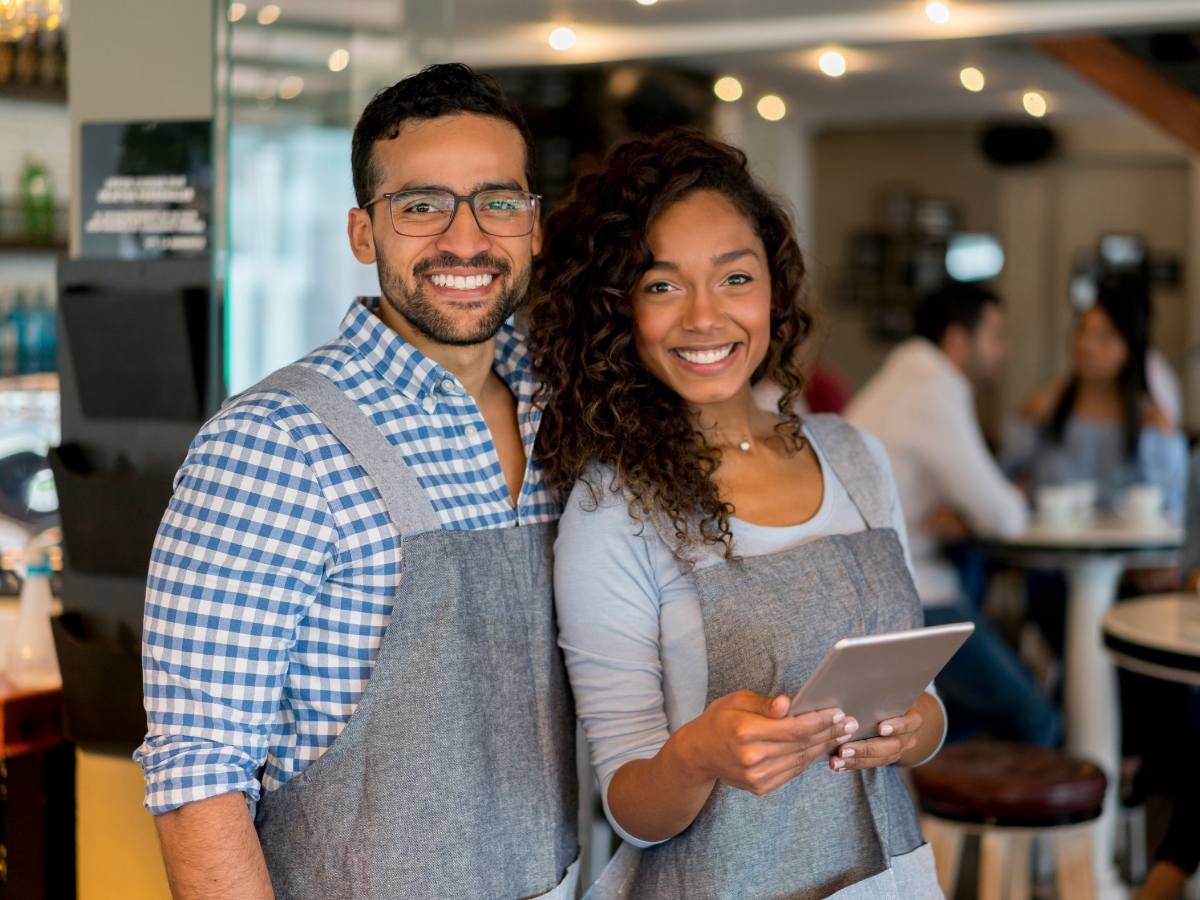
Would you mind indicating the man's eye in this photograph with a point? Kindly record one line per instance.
(419, 208)
(502, 206)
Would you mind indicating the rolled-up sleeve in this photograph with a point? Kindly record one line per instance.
(238, 560)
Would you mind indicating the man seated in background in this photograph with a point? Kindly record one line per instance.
(921, 405)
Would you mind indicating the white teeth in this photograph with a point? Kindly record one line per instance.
(706, 357)
(461, 282)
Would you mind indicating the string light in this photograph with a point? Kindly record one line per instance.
(938, 12)
(562, 38)
(771, 108)
(728, 89)
(236, 11)
(268, 14)
(972, 79)
(339, 59)
(291, 87)
(1035, 104)
(832, 64)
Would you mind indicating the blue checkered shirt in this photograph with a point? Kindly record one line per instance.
(274, 569)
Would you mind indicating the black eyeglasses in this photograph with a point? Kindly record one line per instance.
(500, 213)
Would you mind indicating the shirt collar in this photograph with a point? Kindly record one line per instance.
(415, 375)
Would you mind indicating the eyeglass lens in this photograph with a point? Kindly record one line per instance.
(499, 213)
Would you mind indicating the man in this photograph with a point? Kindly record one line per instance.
(351, 673)
(921, 406)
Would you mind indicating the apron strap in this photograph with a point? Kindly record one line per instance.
(407, 504)
(855, 467)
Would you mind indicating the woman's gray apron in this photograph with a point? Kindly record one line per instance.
(768, 623)
(455, 776)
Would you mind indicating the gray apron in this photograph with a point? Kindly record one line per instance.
(455, 776)
(768, 623)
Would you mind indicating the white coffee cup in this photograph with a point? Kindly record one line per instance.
(1143, 506)
(1056, 507)
(1084, 494)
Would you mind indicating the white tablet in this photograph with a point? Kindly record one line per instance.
(879, 676)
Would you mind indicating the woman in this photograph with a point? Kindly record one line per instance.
(1100, 425)
(711, 552)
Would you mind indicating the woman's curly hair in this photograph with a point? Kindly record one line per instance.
(601, 404)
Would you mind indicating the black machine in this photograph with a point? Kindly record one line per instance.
(139, 365)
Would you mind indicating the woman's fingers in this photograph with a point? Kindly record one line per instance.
(880, 751)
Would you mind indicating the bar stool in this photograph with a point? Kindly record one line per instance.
(1010, 794)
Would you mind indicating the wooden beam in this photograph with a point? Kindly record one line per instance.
(1116, 70)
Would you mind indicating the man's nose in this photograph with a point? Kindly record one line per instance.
(464, 238)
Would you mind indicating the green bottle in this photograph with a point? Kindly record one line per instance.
(37, 200)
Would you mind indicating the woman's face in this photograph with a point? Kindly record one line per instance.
(1099, 350)
(702, 313)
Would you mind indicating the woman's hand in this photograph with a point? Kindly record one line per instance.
(751, 743)
(905, 741)
(746, 740)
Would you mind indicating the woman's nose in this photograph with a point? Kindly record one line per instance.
(703, 312)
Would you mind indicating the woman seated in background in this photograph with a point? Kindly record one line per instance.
(711, 552)
(1099, 425)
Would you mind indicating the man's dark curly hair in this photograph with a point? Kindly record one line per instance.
(446, 89)
(602, 406)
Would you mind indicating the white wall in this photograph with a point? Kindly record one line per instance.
(135, 60)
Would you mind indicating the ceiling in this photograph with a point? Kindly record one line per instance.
(900, 65)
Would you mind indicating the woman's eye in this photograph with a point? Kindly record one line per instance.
(658, 287)
(739, 279)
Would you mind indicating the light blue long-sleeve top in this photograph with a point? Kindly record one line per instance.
(1094, 450)
(630, 624)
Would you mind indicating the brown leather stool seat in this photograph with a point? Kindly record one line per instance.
(1015, 785)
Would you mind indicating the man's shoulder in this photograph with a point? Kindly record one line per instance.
(259, 408)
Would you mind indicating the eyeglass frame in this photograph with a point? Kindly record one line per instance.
(458, 201)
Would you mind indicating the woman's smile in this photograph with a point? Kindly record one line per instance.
(708, 360)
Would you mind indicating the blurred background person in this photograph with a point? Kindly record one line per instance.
(921, 405)
(1100, 424)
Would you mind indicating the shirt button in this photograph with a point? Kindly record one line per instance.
(429, 404)
(470, 431)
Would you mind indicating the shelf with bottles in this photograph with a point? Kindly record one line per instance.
(28, 331)
(34, 67)
(33, 220)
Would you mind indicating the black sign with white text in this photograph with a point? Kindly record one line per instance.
(147, 189)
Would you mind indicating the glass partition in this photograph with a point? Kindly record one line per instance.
(292, 79)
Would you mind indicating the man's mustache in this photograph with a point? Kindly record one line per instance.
(450, 261)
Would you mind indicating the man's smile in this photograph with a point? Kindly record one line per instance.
(461, 282)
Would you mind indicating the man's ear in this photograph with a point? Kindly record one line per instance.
(361, 231)
(956, 344)
(537, 236)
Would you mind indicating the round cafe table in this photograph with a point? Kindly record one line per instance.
(1158, 636)
(1094, 560)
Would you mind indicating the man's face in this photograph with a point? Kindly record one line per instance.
(462, 154)
(988, 347)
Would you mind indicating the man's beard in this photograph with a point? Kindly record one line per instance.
(412, 301)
